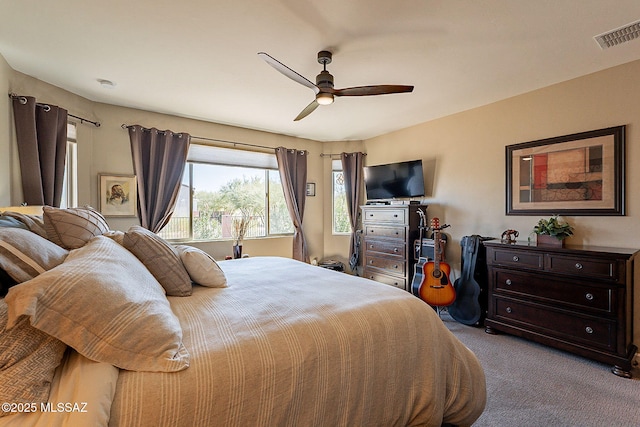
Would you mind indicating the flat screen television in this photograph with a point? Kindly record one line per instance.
(394, 180)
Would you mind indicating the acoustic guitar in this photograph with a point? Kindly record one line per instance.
(436, 288)
(419, 267)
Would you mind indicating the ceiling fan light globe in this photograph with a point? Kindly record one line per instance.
(324, 98)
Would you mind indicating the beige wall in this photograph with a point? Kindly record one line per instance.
(465, 157)
(6, 127)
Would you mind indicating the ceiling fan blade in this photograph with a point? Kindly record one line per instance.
(308, 110)
(372, 90)
(288, 71)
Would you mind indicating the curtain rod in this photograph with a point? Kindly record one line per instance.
(23, 100)
(332, 155)
(235, 143)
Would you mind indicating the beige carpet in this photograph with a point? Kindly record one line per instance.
(533, 385)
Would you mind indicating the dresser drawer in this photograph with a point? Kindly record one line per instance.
(392, 248)
(397, 216)
(385, 232)
(521, 284)
(398, 282)
(568, 326)
(392, 266)
(529, 260)
(592, 268)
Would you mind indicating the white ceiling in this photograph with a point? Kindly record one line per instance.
(198, 58)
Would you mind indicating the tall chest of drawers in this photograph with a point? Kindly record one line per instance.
(388, 235)
(577, 299)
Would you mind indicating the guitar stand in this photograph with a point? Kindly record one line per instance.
(439, 310)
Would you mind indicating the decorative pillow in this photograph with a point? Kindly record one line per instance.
(116, 235)
(161, 258)
(106, 305)
(202, 268)
(72, 228)
(8, 221)
(24, 255)
(28, 361)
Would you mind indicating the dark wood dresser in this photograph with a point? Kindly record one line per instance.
(576, 298)
(388, 235)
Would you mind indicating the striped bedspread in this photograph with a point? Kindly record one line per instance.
(290, 344)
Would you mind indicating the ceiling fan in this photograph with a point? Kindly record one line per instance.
(323, 87)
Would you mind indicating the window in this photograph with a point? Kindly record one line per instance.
(341, 222)
(70, 181)
(213, 195)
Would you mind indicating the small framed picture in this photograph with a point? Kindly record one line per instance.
(311, 188)
(118, 195)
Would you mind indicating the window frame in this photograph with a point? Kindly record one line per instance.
(336, 166)
(267, 217)
(70, 180)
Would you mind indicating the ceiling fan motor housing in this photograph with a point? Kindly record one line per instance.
(324, 80)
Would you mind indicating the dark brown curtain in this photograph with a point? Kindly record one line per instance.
(41, 131)
(159, 158)
(353, 176)
(292, 165)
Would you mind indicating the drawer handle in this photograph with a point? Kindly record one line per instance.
(371, 261)
(395, 215)
(516, 258)
(589, 296)
(395, 266)
(508, 282)
(588, 330)
(397, 232)
(509, 310)
(395, 250)
(578, 266)
(370, 246)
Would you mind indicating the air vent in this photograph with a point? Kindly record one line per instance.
(619, 35)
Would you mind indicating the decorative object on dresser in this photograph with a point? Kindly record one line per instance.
(510, 236)
(388, 233)
(552, 231)
(576, 298)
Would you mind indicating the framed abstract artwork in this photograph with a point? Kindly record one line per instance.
(578, 174)
(118, 195)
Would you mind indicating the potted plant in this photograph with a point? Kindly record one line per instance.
(552, 231)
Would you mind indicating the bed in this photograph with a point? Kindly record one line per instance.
(270, 341)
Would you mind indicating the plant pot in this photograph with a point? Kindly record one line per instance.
(237, 251)
(547, 240)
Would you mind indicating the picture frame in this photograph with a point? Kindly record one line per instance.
(118, 195)
(577, 174)
(311, 189)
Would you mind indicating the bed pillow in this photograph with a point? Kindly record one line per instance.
(24, 255)
(8, 221)
(106, 305)
(74, 227)
(202, 267)
(34, 223)
(161, 258)
(28, 361)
